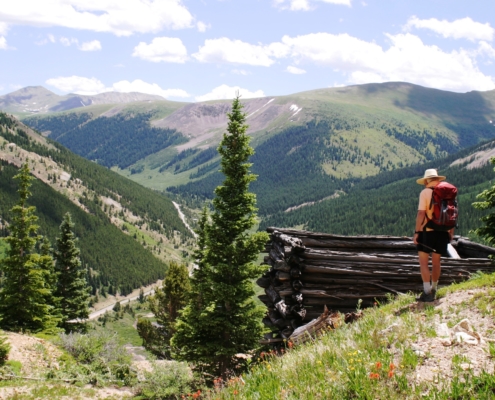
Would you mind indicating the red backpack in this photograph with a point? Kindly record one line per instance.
(445, 209)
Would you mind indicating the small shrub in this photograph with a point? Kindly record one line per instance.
(166, 380)
(4, 350)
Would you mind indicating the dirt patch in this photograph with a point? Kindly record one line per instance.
(34, 354)
(442, 354)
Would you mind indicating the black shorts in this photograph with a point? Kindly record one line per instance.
(433, 241)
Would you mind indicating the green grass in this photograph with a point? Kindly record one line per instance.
(370, 359)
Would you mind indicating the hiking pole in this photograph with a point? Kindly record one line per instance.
(428, 247)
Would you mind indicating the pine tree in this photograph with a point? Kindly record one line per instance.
(222, 319)
(166, 304)
(488, 196)
(72, 288)
(23, 298)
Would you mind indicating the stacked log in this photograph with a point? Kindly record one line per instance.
(311, 271)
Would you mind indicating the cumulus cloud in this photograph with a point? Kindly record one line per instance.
(3, 43)
(78, 84)
(164, 49)
(295, 70)
(464, 28)
(122, 18)
(225, 50)
(68, 41)
(94, 45)
(306, 5)
(229, 92)
(91, 86)
(202, 27)
(406, 58)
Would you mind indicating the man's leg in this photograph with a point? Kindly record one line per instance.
(435, 271)
(423, 266)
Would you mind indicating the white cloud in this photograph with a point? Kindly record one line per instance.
(407, 59)
(229, 92)
(295, 70)
(92, 86)
(68, 42)
(78, 84)
(150, 88)
(3, 43)
(464, 28)
(3, 28)
(225, 50)
(202, 27)
(162, 49)
(94, 45)
(306, 5)
(485, 49)
(122, 18)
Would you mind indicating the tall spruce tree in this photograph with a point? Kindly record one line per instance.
(72, 288)
(24, 304)
(166, 304)
(221, 319)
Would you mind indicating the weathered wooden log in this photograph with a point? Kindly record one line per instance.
(281, 265)
(314, 328)
(466, 248)
(272, 294)
(282, 276)
(294, 243)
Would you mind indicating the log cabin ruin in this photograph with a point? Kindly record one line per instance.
(315, 276)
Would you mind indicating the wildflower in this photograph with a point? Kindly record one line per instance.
(391, 367)
(374, 375)
(378, 365)
(390, 374)
(290, 344)
(236, 392)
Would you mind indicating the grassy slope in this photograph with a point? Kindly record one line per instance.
(340, 364)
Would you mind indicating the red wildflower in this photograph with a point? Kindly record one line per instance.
(390, 374)
(378, 365)
(236, 392)
(391, 367)
(374, 375)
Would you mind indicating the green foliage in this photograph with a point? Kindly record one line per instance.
(4, 350)
(24, 294)
(130, 267)
(387, 203)
(120, 140)
(72, 288)
(166, 381)
(487, 202)
(165, 304)
(221, 319)
(100, 357)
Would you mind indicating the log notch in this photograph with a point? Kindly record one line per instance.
(311, 271)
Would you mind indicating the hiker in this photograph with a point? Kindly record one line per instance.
(429, 237)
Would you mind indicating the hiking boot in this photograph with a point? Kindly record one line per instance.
(434, 293)
(426, 298)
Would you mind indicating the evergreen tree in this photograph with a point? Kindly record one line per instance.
(47, 264)
(488, 196)
(72, 287)
(222, 319)
(166, 304)
(23, 298)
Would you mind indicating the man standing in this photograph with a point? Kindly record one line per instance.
(429, 240)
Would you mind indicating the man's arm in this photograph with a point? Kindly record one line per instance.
(420, 219)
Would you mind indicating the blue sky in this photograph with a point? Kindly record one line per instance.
(197, 50)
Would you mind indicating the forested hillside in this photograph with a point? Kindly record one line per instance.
(119, 140)
(387, 203)
(126, 232)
